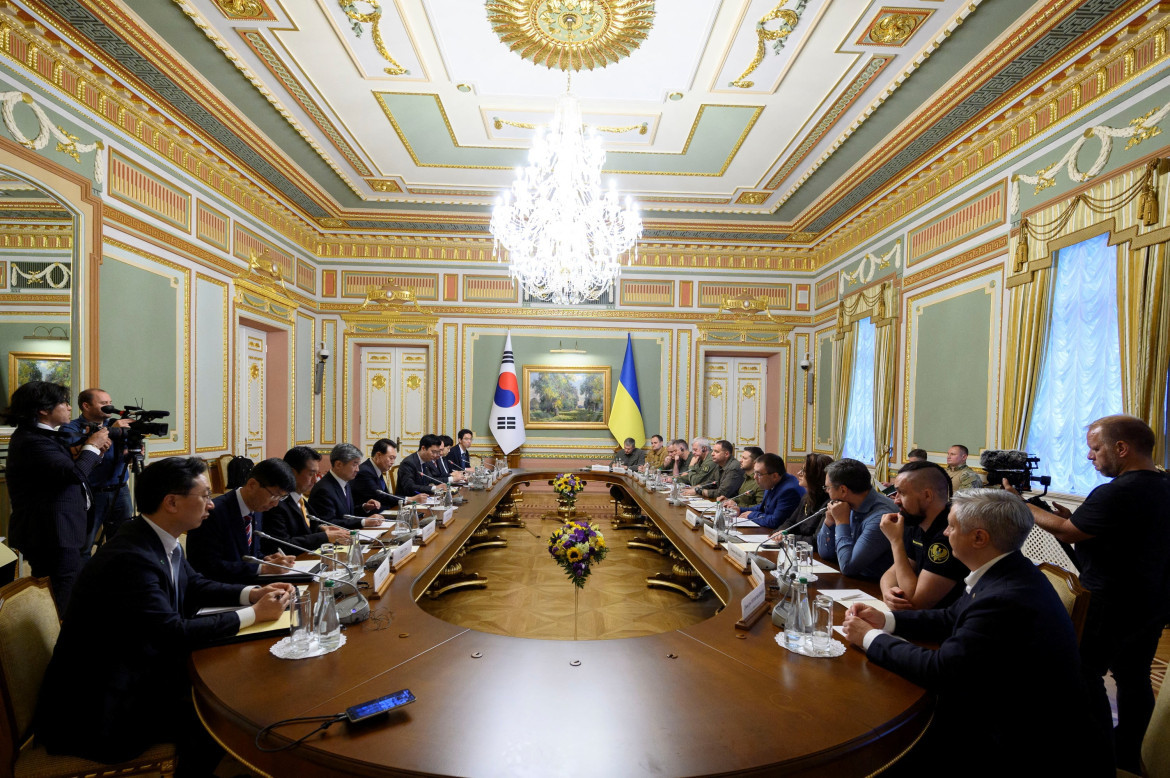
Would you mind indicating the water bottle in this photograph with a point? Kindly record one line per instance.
(720, 519)
(355, 560)
(447, 503)
(675, 493)
(798, 628)
(328, 624)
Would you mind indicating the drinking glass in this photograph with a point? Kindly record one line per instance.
(301, 622)
(822, 636)
(329, 564)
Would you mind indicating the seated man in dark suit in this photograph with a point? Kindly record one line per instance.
(440, 467)
(290, 518)
(117, 682)
(1007, 670)
(630, 457)
(413, 478)
(371, 476)
(332, 499)
(782, 493)
(218, 546)
(459, 457)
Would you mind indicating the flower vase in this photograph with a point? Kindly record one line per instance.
(576, 600)
(566, 506)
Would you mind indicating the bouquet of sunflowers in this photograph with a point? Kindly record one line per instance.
(575, 546)
(567, 485)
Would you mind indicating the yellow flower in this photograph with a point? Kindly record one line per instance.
(573, 554)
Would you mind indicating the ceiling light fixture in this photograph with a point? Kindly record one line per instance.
(563, 237)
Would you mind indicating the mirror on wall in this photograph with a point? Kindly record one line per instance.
(37, 260)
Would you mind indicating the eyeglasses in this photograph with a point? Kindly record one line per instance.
(205, 495)
(276, 497)
(800, 471)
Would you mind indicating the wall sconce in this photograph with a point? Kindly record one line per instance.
(319, 369)
(560, 349)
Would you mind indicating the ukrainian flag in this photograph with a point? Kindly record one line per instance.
(625, 417)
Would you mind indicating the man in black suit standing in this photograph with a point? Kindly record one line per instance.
(290, 518)
(47, 486)
(371, 476)
(218, 546)
(411, 481)
(1007, 660)
(332, 499)
(459, 457)
(117, 682)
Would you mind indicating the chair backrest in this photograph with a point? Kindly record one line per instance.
(238, 470)
(392, 479)
(28, 633)
(1040, 546)
(1074, 596)
(1156, 744)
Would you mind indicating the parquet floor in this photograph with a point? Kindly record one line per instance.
(528, 595)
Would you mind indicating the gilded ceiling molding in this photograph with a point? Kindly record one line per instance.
(571, 34)
(894, 26)
(743, 318)
(67, 143)
(244, 9)
(788, 21)
(372, 18)
(390, 309)
(1140, 128)
(642, 128)
(869, 265)
(261, 288)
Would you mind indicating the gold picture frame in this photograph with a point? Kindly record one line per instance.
(25, 366)
(548, 392)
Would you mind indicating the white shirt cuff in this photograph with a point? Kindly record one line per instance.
(94, 449)
(246, 595)
(247, 617)
(872, 635)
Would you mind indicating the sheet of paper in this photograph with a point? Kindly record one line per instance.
(302, 566)
(281, 624)
(702, 505)
(373, 534)
(848, 597)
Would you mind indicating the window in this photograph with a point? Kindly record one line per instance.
(1081, 377)
(859, 424)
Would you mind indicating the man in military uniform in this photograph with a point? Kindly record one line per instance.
(751, 493)
(675, 462)
(656, 455)
(728, 474)
(962, 477)
(629, 456)
(925, 573)
(701, 467)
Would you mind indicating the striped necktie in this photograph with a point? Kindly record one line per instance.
(248, 532)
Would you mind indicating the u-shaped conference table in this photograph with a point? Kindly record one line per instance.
(703, 700)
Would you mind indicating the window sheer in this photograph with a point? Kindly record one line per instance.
(1081, 377)
(859, 441)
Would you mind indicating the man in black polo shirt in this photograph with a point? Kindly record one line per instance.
(925, 573)
(1122, 537)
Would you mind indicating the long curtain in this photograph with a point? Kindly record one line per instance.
(1081, 377)
(1143, 327)
(1027, 326)
(845, 346)
(859, 443)
(884, 375)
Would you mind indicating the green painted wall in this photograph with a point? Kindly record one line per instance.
(139, 348)
(534, 350)
(951, 375)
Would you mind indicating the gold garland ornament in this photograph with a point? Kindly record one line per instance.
(788, 20)
(371, 17)
(571, 34)
(66, 142)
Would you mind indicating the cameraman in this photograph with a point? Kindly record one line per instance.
(108, 481)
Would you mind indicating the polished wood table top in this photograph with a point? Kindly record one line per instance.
(706, 699)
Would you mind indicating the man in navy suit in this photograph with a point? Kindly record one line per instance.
(781, 492)
(117, 682)
(1007, 671)
(371, 476)
(218, 546)
(411, 479)
(459, 457)
(290, 519)
(332, 499)
(48, 487)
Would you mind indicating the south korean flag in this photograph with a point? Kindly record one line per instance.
(507, 419)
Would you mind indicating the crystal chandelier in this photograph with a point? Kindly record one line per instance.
(563, 237)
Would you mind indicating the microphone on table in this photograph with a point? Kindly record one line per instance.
(353, 609)
(806, 519)
(451, 487)
(284, 542)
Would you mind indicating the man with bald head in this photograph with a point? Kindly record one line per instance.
(1122, 538)
(925, 573)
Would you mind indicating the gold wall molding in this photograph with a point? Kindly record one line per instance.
(260, 290)
(976, 254)
(870, 264)
(227, 368)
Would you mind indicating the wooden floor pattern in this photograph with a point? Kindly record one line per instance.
(528, 595)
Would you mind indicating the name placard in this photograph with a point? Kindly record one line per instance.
(738, 554)
(382, 575)
(752, 601)
(446, 517)
(600, 468)
(757, 573)
(692, 519)
(400, 553)
(711, 535)
(427, 532)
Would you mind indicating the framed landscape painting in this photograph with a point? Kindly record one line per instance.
(25, 366)
(566, 398)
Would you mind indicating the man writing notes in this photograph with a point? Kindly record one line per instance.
(217, 547)
(925, 573)
(118, 681)
(290, 518)
(781, 492)
(332, 498)
(1006, 671)
(851, 535)
(1122, 537)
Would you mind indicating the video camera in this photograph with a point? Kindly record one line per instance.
(141, 424)
(1017, 468)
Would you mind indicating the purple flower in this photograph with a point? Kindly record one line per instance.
(579, 568)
